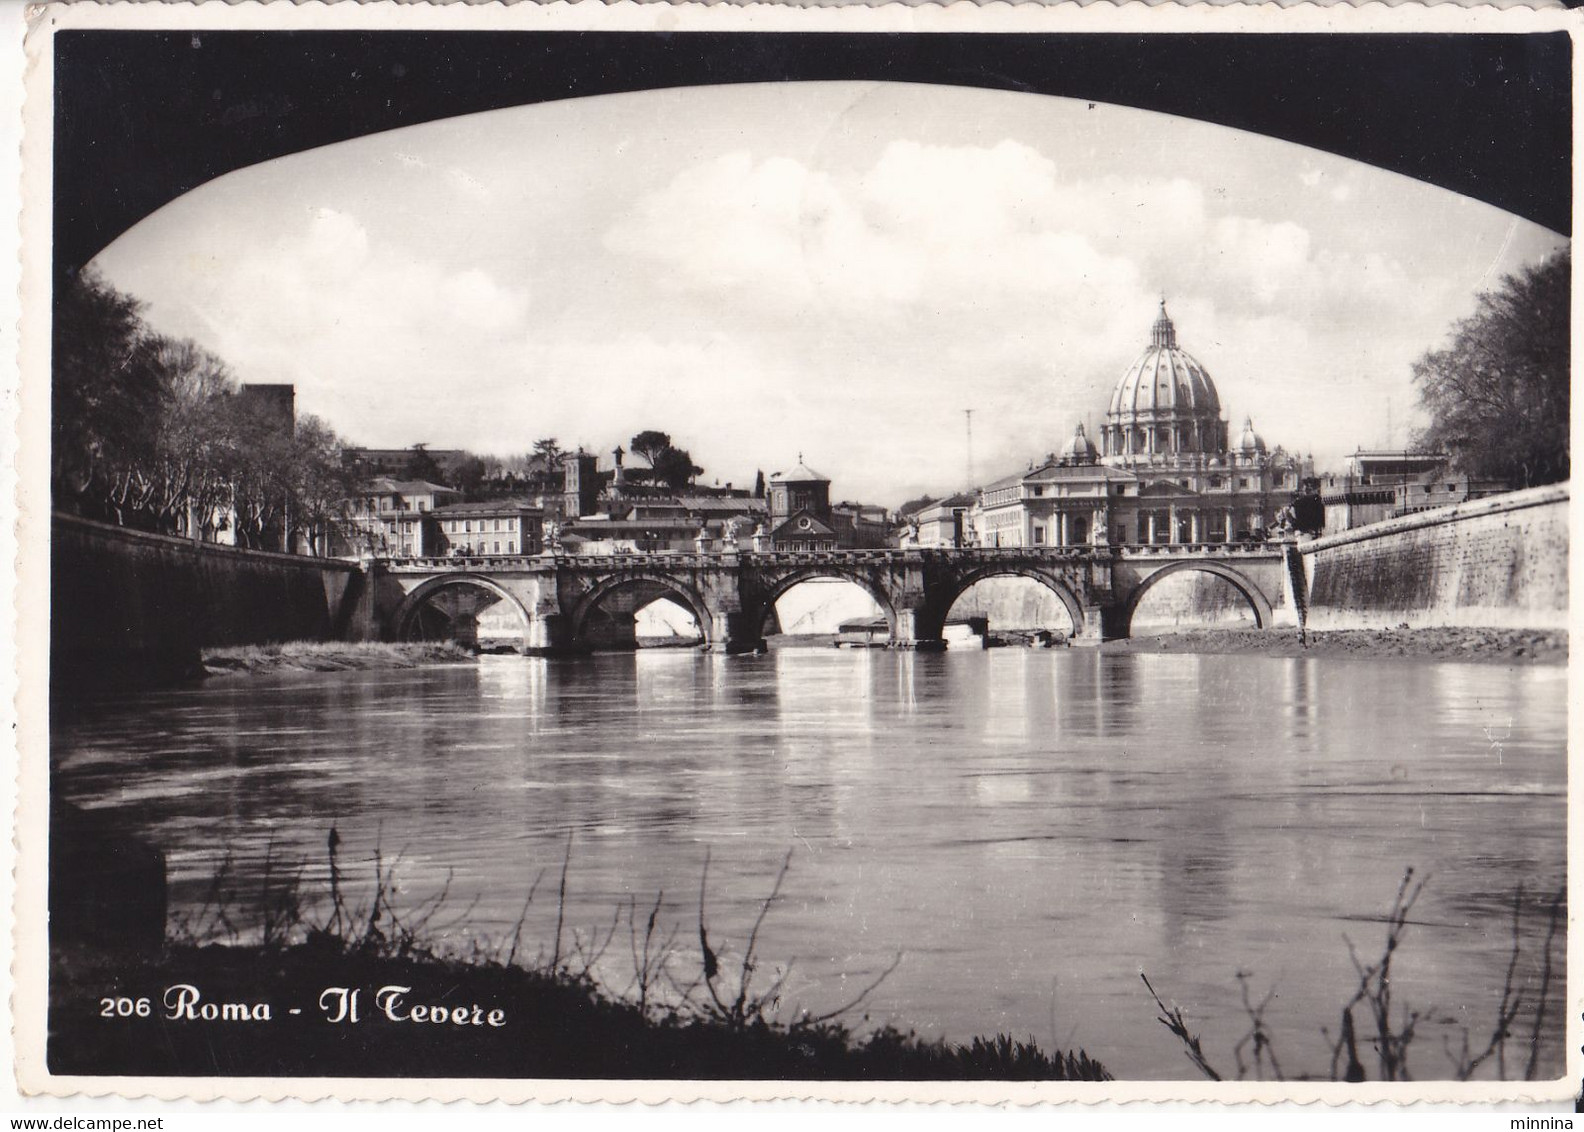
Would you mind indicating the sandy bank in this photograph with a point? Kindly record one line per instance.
(1489, 646)
(330, 656)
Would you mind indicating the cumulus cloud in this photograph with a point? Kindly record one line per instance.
(845, 281)
(347, 319)
(1025, 288)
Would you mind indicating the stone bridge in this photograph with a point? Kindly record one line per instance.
(570, 603)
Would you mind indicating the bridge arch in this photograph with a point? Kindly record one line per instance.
(1045, 578)
(781, 585)
(1239, 581)
(677, 590)
(418, 597)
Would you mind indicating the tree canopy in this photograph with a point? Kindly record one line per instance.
(549, 450)
(154, 433)
(421, 465)
(668, 464)
(1498, 395)
(651, 444)
(676, 469)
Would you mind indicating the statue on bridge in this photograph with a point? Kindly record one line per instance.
(729, 533)
(552, 537)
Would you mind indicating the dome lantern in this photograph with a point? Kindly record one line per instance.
(1164, 334)
(1080, 449)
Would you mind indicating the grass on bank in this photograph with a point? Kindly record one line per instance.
(695, 1005)
(1375, 1033)
(331, 656)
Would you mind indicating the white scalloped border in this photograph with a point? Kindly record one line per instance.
(29, 958)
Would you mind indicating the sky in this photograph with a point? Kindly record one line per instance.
(836, 270)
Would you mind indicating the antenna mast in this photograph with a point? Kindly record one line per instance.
(968, 417)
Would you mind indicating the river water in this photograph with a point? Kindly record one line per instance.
(1027, 830)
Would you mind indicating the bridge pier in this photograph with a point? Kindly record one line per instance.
(1092, 631)
(910, 634)
(733, 631)
(547, 635)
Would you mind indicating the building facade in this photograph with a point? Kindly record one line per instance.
(1374, 486)
(393, 462)
(498, 527)
(946, 522)
(397, 517)
(803, 519)
(800, 510)
(1167, 470)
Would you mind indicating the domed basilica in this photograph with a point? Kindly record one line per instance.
(1167, 469)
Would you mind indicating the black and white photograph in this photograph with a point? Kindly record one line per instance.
(855, 559)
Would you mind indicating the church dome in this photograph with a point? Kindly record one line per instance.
(1165, 406)
(1079, 450)
(1250, 442)
(1165, 379)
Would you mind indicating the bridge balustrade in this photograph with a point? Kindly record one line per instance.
(675, 558)
(1179, 549)
(464, 563)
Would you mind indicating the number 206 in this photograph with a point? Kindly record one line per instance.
(123, 1007)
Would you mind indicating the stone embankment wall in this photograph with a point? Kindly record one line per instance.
(130, 606)
(1499, 562)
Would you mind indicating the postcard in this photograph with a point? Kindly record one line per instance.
(666, 552)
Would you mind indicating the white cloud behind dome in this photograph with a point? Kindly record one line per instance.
(837, 269)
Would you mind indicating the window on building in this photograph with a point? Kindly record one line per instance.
(1039, 536)
(1243, 481)
(467, 525)
(1281, 478)
(1215, 481)
(497, 548)
(511, 547)
(1039, 489)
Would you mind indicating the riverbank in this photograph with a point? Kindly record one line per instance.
(268, 1011)
(330, 656)
(1489, 646)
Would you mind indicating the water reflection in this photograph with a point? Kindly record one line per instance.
(1006, 819)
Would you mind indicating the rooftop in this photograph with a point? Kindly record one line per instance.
(381, 485)
(719, 503)
(587, 528)
(490, 507)
(1048, 472)
(802, 473)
